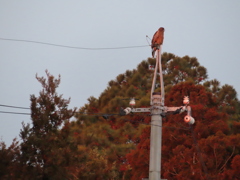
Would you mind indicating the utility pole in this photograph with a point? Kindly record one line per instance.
(157, 102)
(158, 110)
(155, 138)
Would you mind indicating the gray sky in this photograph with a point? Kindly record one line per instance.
(208, 30)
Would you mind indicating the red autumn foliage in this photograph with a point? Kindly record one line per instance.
(207, 153)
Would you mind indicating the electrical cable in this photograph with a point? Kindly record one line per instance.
(72, 47)
(88, 114)
(104, 115)
(93, 114)
(7, 112)
(18, 107)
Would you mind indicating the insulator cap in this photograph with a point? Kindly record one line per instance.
(189, 119)
(186, 100)
(132, 102)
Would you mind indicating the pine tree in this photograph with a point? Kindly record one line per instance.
(9, 160)
(45, 148)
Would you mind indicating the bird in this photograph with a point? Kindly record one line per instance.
(157, 40)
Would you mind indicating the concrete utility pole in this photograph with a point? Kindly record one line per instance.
(155, 138)
(157, 102)
(158, 110)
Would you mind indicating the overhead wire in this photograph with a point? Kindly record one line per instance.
(15, 107)
(18, 107)
(7, 112)
(88, 114)
(72, 47)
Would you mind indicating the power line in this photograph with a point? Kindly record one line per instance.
(18, 107)
(72, 47)
(7, 112)
(78, 113)
(88, 114)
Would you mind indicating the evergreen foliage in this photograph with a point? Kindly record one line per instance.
(101, 144)
(45, 150)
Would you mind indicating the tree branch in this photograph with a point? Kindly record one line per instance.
(227, 160)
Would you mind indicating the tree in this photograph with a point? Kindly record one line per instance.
(9, 165)
(225, 95)
(102, 145)
(45, 148)
(205, 152)
(182, 76)
(179, 69)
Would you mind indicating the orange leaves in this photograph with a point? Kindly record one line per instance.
(212, 114)
(235, 164)
(236, 127)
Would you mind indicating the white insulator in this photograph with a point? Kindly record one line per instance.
(189, 119)
(127, 110)
(186, 100)
(132, 102)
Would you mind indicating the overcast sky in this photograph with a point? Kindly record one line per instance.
(208, 30)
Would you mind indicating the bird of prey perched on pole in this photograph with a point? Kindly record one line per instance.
(157, 40)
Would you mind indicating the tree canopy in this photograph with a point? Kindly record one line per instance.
(101, 144)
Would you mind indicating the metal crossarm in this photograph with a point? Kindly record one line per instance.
(141, 110)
